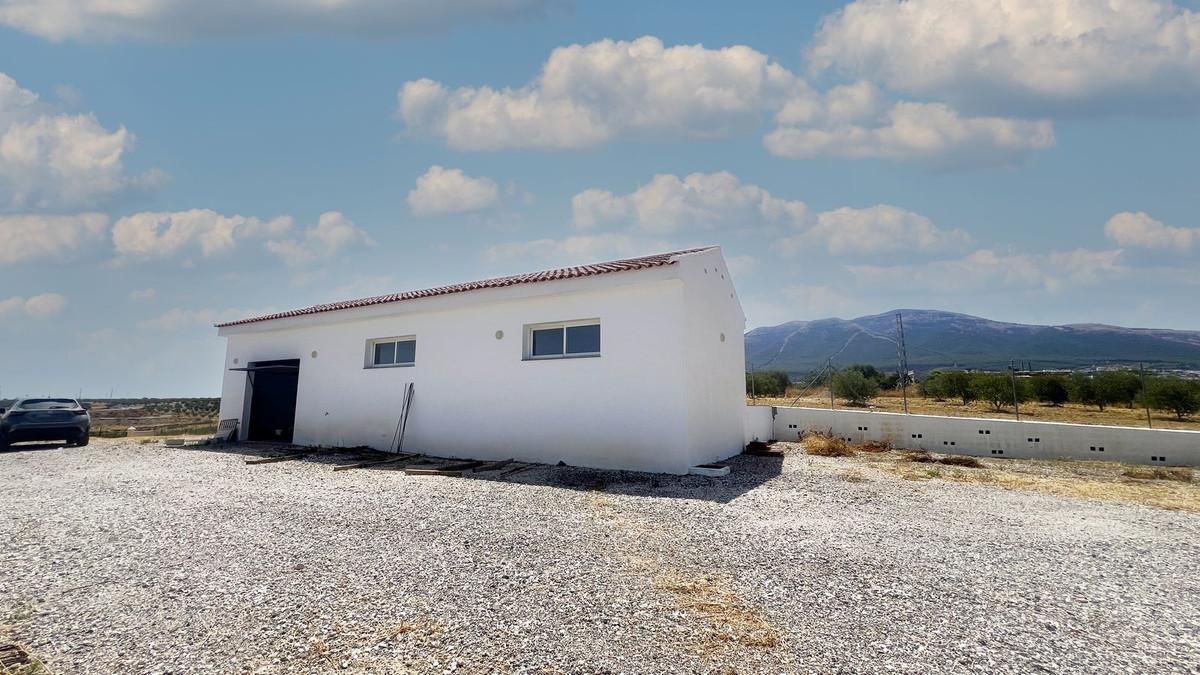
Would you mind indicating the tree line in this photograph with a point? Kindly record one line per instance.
(857, 384)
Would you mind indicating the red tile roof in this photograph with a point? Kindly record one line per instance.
(645, 262)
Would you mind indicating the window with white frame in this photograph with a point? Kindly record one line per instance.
(391, 352)
(563, 339)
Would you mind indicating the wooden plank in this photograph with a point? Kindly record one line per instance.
(363, 465)
(460, 466)
(280, 458)
(494, 465)
(517, 469)
(432, 472)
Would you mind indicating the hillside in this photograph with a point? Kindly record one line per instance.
(938, 339)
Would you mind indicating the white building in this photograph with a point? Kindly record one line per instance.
(631, 364)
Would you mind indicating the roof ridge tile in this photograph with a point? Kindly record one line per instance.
(577, 271)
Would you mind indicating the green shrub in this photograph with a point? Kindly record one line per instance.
(997, 389)
(1174, 394)
(945, 384)
(1105, 389)
(1050, 389)
(854, 387)
(767, 383)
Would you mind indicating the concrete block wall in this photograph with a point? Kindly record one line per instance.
(759, 423)
(981, 437)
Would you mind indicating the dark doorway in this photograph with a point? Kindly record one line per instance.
(272, 400)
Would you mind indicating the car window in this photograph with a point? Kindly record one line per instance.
(47, 404)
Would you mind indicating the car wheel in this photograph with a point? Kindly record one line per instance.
(3, 441)
(83, 438)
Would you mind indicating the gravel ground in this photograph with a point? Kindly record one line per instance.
(131, 558)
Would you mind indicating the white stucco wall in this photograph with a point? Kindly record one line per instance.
(760, 423)
(1000, 438)
(714, 358)
(476, 397)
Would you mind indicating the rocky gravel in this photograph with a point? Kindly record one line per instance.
(131, 558)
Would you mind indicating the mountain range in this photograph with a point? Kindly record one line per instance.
(936, 339)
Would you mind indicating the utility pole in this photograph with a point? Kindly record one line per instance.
(753, 396)
(1145, 395)
(829, 380)
(902, 357)
(1013, 373)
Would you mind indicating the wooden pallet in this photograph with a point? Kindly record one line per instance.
(375, 462)
(12, 656)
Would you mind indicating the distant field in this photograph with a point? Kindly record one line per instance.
(178, 416)
(891, 401)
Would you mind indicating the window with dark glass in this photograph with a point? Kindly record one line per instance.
(583, 339)
(392, 352)
(565, 339)
(548, 342)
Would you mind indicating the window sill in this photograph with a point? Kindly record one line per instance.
(393, 365)
(561, 357)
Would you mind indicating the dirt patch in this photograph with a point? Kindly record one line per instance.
(923, 457)
(730, 618)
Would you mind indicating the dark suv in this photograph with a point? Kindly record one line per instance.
(45, 419)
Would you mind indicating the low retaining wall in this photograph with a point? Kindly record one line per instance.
(759, 423)
(982, 437)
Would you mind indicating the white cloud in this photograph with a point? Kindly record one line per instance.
(931, 132)
(588, 94)
(50, 160)
(576, 249)
(165, 234)
(877, 229)
(1013, 54)
(668, 204)
(594, 93)
(33, 237)
(36, 307)
(143, 295)
(986, 269)
(1142, 231)
(173, 19)
(332, 234)
(443, 191)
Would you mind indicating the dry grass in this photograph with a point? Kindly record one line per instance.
(875, 446)
(891, 401)
(825, 445)
(318, 650)
(1105, 481)
(1181, 474)
(730, 619)
(961, 460)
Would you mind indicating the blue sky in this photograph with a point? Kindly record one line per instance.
(168, 164)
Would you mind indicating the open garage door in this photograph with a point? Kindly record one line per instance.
(272, 399)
